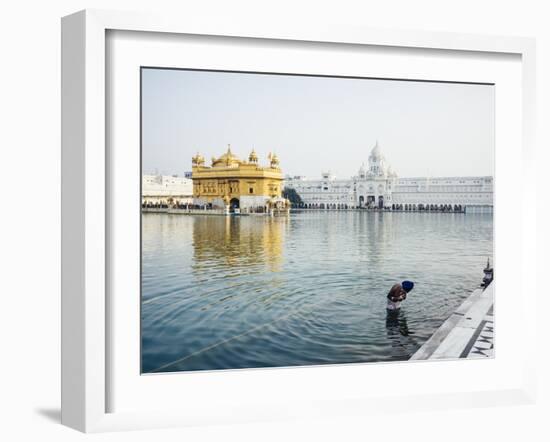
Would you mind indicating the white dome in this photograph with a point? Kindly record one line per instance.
(391, 173)
(376, 152)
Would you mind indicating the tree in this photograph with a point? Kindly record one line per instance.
(290, 194)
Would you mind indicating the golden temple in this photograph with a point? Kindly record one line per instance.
(237, 185)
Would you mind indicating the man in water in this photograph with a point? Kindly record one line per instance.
(397, 294)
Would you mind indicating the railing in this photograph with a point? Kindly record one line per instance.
(443, 208)
(183, 210)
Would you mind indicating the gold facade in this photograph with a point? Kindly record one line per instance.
(229, 178)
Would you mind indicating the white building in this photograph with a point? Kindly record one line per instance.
(166, 190)
(324, 193)
(463, 191)
(378, 186)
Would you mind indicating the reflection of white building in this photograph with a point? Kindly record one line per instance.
(377, 185)
(159, 189)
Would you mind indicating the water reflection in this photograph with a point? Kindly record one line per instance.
(241, 244)
(396, 323)
(232, 292)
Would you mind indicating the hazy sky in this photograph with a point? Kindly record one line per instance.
(316, 124)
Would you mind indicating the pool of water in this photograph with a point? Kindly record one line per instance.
(251, 291)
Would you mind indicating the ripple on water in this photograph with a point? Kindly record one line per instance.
(236, 292)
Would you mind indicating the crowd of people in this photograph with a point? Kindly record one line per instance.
(176, 205)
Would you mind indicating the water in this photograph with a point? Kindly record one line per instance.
(234, 292)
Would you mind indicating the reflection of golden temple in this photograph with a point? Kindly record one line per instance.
(238, 185)
(243, 243)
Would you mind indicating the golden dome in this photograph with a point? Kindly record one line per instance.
(198, 160)
(253, 157)
(226, 160)
(274, 160)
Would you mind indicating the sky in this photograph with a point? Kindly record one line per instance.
(316, 124)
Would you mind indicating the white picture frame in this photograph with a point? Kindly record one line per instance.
(86, 208)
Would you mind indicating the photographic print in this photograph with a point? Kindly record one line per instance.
(299, 220)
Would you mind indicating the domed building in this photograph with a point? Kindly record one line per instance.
(373, 188)
(237, 185)
(377, 186)
(377, 162)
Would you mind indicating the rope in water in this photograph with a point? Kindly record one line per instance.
(224, 341)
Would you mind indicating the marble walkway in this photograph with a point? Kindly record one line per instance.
(467, 333)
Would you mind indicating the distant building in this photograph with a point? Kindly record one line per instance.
(166, 190)
(377, 185)
(328, 192)
(231, 183)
